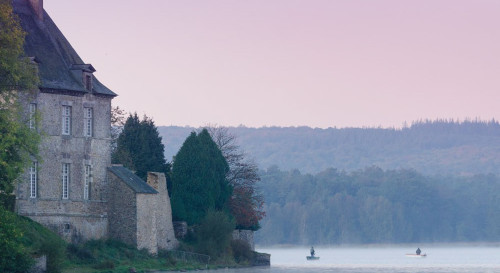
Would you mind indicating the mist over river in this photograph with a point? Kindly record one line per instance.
(382, 259)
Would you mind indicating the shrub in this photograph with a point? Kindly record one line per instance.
(213, 235)
(107, 264)
(54, 249)
(7, 201)
(14, 257)
(78, 252)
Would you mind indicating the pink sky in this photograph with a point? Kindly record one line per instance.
(317, 63)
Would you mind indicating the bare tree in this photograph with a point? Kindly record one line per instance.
(247, 202)
(117, 122)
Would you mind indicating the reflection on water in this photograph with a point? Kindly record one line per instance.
(379, 259)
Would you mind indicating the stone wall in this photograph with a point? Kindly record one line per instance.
(122, 211)
(244, 235)
(180, 229)
(261, 259)
(164, 227)
(154, 217)
(49, 208)
(147, 222)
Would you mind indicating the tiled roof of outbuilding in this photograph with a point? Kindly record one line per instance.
(133, 181)
(59, 65)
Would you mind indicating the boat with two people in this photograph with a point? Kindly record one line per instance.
(313, 255)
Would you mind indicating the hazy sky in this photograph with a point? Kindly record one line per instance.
(320, 63)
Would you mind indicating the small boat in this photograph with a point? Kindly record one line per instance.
(416, 255)
(312, 258)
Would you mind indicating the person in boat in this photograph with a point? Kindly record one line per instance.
(418, 251)
(312, 251)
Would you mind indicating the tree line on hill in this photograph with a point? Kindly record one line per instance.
(431, 147)
(376, 206)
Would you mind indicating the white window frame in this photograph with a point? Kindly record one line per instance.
(33, 179)
(88, 121)
(32, 121)
(66, 120)
(65, 177)
(87, 181)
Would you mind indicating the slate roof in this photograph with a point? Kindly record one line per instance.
(133, 181)
(59, 65)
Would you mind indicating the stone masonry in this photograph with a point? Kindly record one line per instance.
(140, 213)
(73, 217)
(72, 187)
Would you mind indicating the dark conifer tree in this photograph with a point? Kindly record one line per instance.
(139, 147)
(199, 179)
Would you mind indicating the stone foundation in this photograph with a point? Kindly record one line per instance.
(246, 236)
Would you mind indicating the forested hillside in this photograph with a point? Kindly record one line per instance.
(377, 206)
(430, 147)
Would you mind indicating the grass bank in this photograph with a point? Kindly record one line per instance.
(114, 256)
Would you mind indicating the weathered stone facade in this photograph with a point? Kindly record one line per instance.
(72, 216)
(72, 188)
(140, 213)
(244, 235)
(161, 207)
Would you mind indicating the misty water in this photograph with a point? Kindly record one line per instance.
(381, 259)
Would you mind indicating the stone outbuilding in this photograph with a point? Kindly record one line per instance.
(139, 212)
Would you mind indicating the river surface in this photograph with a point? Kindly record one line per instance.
(381, 259)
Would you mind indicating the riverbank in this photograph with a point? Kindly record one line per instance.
(113, 256)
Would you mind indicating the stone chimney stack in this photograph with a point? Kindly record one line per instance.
(37, 6)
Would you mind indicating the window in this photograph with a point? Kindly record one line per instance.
(88, 82)
(88, 177)
(66, 120)
(67, 228)
(87, 122)
(32, 121)
(33, 179)
(65, 180)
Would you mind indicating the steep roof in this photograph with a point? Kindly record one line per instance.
(59, 65)
(133, 181)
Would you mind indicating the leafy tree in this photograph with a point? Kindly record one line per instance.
(16, 71)
(199, 179)
(246, 202)
(18, 78)
(14, 257)
(17, 144)
(139, 147)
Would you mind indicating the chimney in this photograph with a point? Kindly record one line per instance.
(37, 6)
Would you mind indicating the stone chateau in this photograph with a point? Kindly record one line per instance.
(74, 190)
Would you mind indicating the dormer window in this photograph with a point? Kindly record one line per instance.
(88, 81)
(86, 70)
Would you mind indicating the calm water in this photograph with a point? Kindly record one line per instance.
(380, 259)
